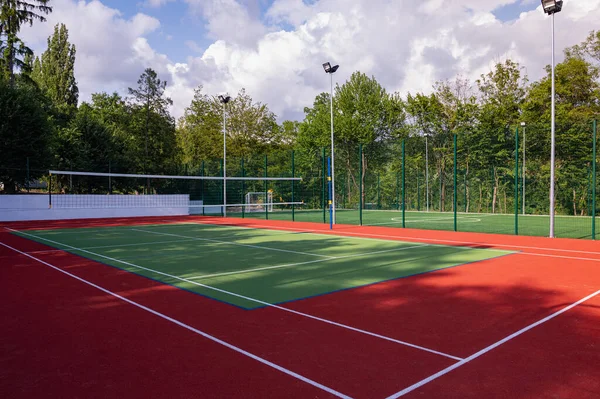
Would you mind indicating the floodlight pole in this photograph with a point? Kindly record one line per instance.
(224, 162)
(332, 153)
(224, 100)
(553, 141)
(551, 7)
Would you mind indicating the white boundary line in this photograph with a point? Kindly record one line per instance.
(560, 256)
(190, 328)
(235, 243)
(489, 348)
(251, 299)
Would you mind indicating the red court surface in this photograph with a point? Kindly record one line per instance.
(510, 327)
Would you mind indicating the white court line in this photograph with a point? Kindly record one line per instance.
(489, 348)
(366, 236)
(236, 243)
(304, 263)
(251, 299)
(560, 256)
(115, 246)
(190, 328)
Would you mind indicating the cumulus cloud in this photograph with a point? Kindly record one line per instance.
(277, 54)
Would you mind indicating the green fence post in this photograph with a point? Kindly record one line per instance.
(221, 191)
(517, 181)
(397, 191)
(454, 202)
(324, 178)
(418, 193)
(594, 183)
(360, 183)
(466, 207)
(293, 184)
(266, 189)
(403, 183)
(202, 189)
(243, 190)
(378, 191)
(27, 181)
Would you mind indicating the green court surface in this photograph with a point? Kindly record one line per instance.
(530, 225)
(252, 268)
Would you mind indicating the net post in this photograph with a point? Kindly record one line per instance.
(293, 186)
(455, 192)
(517, 181)
(109, 178)
(202, 189)
(330, 194)
(323, 185)
(360, 184)
(594, 157)
(403, 183)
(49, 189)
(243, 189)
(266, 189)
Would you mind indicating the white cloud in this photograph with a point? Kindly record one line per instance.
(156, 3)
(407, 45)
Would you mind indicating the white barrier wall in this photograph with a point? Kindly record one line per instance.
(35, 207)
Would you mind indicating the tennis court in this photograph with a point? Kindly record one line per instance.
(229, 307)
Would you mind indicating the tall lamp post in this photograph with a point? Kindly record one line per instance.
(331, 70)
(551, 7)
(524, 167)
(224, 100)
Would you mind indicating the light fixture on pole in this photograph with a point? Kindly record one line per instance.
(551, 7)
(224, 100)
(331, 70)
(524, 167)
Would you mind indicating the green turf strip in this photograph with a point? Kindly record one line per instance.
(293, 265)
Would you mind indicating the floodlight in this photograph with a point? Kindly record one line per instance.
(552, 6)
(224, 99)
(330, 69)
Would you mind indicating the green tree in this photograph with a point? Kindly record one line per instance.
(13, 14)
(25, 132)
(152, 125)
(55, 72)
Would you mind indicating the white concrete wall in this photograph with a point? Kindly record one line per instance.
(35, 207)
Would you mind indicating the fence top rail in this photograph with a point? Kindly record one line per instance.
(220, 178)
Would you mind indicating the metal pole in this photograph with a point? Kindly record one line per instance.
(403, 184)
(455, 194)
(330, 201)
(266, 189)
(224, 163)
(553, 142)
(594, 184)
(427, 172)
(202, 189)
(109, 179)
(293, 197)
(517, 182)
(49, 190)
(244, 189)
(360, 183)
(524, 169)
(323, 185)
(332, 154)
